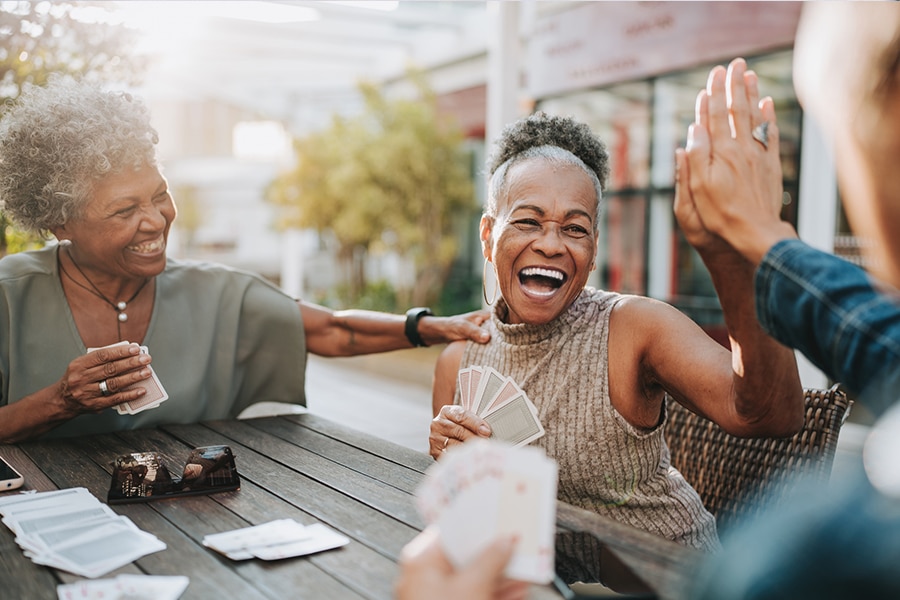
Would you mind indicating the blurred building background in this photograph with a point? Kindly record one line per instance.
(229, 89)
(232, 83)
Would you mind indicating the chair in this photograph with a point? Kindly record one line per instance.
(735, 476)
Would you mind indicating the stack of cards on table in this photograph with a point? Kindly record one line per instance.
(502, 403)
(155, 395)
(72, 530)
(125, 587)
(275, 540)
(484, 489)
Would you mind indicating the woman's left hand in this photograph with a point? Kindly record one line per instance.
(467, 326)
(452, 426)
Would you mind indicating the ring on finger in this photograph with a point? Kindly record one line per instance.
(446, 441)
(760, 133)
(104, 388)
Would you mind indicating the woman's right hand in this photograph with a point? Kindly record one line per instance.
(454, 425)
(80, 388)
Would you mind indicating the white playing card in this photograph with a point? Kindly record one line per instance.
(484, 489)
(463, 378)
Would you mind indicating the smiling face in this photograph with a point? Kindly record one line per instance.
(542, 240)
(125, 226)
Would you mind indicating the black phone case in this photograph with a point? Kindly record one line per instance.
(145, 476)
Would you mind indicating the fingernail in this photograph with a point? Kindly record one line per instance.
(690, 137)
(485, 429)
(144, 359)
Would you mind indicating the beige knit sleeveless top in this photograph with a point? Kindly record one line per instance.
(605, 464)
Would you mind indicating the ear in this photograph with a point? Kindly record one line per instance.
(59, 232)
(485, 230)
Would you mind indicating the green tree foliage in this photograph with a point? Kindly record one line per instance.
(38, 39)
(396, 175)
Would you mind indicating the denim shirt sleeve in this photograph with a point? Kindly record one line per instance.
(829, 309)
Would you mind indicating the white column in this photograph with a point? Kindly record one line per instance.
(504, 67)
(816, 215)
(292, 263)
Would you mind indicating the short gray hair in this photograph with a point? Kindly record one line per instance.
(553, 154)
(57, 140)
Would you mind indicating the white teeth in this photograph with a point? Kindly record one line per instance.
(537, 271)
(146, 248)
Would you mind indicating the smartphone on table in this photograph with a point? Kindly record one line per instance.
(10, 479)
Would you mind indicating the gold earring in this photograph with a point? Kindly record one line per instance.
(484, 283)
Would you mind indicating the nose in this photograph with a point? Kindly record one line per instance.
(549, 241)
(154, 217)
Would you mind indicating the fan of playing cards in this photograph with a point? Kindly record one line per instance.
(502, 403)
(155, 395)
(484, 489)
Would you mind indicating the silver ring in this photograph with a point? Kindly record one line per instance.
(104, 389)
(760, 133)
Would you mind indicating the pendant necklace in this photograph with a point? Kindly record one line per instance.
(119, 306)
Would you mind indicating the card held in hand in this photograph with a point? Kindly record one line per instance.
(155, 393)
(485, 489)
(502, 403)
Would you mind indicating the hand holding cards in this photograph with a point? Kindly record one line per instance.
(484, 489)
(155, 393)
(502, 403)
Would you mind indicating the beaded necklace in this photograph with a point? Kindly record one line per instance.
(119, 306)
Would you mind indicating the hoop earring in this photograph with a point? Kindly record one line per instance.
(484, 283)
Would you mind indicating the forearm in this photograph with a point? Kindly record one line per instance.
(829, 309)
(767, 393)
(32, 416)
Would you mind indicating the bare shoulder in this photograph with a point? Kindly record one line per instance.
(643, 312)
(451, 356)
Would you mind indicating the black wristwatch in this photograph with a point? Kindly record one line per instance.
(412, 325)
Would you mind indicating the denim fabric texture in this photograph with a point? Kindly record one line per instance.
(840, 318)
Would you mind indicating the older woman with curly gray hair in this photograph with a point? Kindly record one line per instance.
(599, 366)
(80, 163)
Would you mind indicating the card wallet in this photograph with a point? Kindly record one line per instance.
(145, 476)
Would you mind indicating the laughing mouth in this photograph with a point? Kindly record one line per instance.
(541, 281)
(149, 247)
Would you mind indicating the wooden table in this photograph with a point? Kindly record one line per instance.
(299, 466)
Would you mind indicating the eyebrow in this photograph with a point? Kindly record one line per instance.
(575, 212)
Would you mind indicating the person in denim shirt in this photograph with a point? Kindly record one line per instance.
(843, 540)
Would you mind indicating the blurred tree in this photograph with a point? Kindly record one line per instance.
(397, 175)
(72, 38)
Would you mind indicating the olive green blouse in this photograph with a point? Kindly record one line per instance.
(221, 339)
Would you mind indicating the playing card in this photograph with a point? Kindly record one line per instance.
(514, 422)
(485, 489)
(489, 385)
(319, 538)
(154, 396)
(463, 378)
(503, 404)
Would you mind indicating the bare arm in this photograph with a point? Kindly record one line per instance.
(352, 332)
(732, 223)
(654, 348)
(77, 392)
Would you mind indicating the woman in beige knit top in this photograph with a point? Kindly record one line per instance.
(599, 365)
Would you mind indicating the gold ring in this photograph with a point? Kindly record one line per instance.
(104, 389)
(446, 441)
(760, 133)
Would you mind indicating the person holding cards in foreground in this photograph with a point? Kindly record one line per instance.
(598, 367)
(81, 163)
